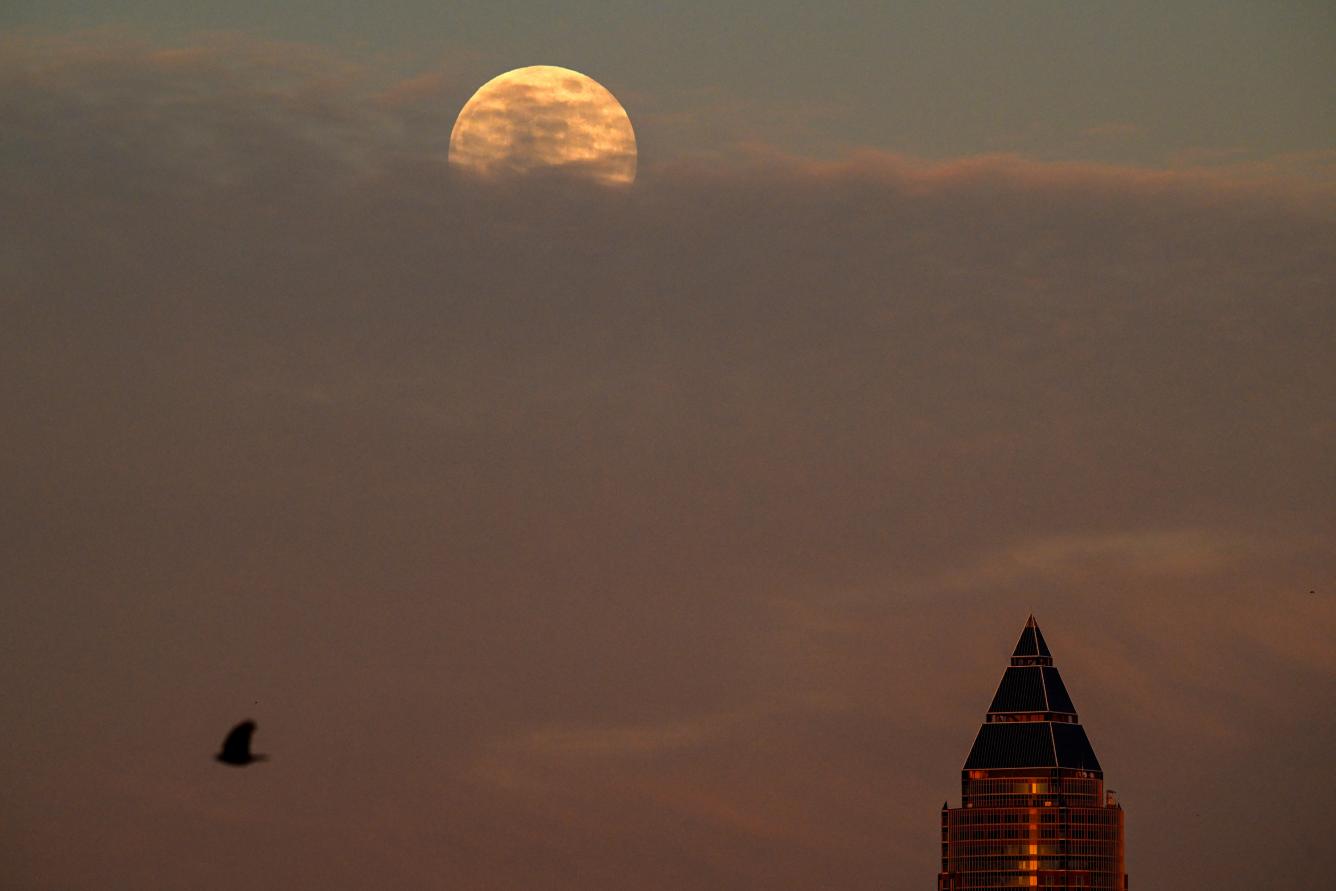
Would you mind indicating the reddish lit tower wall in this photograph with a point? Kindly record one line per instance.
(1034, 812)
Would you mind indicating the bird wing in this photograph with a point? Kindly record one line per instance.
(237, 744)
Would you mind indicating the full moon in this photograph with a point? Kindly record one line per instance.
(544, 118)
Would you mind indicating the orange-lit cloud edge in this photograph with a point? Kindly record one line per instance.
(346, 96)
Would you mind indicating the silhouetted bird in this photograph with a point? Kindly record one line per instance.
(236, 748)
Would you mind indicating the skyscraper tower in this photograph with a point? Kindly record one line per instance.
(1034, 812)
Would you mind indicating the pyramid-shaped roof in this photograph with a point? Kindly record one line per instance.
(1031, 643)
(1031, 721)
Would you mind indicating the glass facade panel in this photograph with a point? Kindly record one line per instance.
(1050, 825)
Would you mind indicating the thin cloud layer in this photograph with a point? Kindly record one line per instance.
(670, 537)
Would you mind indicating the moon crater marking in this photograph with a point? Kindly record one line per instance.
(544, 117)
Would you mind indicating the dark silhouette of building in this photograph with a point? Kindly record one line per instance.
(1034, 811)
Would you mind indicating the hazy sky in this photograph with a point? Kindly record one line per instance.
(1138, 80)
(673, 537)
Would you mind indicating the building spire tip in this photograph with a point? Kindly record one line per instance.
(1031, 645)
